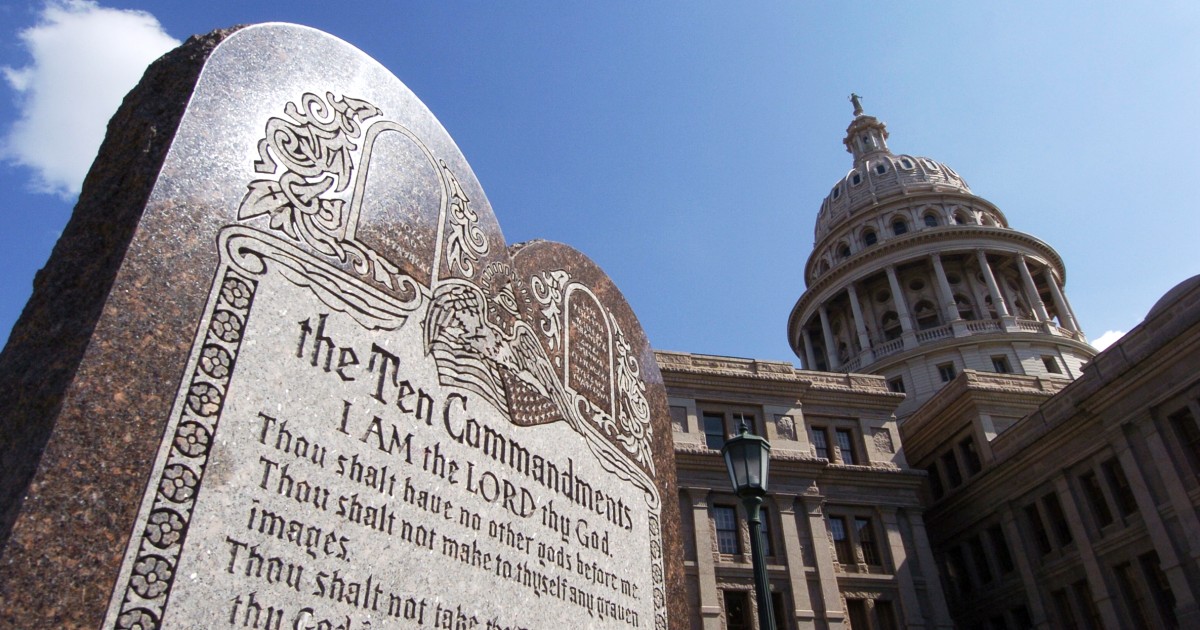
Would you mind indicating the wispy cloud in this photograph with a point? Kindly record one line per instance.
(1107, 339)
(85, 58)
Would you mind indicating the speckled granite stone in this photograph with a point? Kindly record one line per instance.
(255, 383)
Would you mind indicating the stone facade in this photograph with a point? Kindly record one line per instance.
(1072, 506)
(845, 541)
(992, 471)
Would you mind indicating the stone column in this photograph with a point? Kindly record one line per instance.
(1021, 555)
(808, 348)
(710, 597)
(910, 604)
(993, 288)
(793, 549)
(947, 296)
(906, 322)
(1060, 302)
(859, 324)
(933, 586)
(830, 595)
(831, 353)
(1031, 292)
(1105, 605)
(1164, 545)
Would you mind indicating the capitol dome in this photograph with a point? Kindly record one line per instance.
(914, 277)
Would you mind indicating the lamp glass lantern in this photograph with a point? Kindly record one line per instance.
(748, 459)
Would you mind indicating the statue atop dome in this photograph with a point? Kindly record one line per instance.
(857, 101)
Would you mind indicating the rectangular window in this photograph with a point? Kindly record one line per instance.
(1051, 364)
(885, 614)
(728, 540)
(820, 443)
(1095, 498)
(1118, 483)
(1000, 364)
(1058, 520)
(845, 443)
(1135, 603)
(856, 609)
(1083, 597)
(714, 430)
(737, 610)
(1000, 548)
(721, 425)
(956, 565)
(779, 610)
(1189, 436)
(947, 372)
(841, 540)
(866, 540)
(1062, 606)
(950, 465)
(970, 455)
(935, 481)
(1033, 517)
(1160, 588)
(737, 419)
(980, 559)
(897, 385)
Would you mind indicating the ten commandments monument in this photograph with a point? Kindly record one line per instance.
(283, 371)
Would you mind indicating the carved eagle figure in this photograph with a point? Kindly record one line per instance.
(484, 346)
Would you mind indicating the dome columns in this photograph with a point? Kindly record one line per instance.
(1039, 307)
(1065, 315)
(860, 327)
(993, 289)
(945, 295)
(831, 353)
(906, 323)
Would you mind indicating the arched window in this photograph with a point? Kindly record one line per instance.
(927, 315)
(931, 220)
(881, 168)
(869, 237)
(899, 226)
(960, 218)
(843, 251)
(856, 178)
(963, 304)
(891, 325)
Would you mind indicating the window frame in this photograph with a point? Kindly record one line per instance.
(863, 544)
(734, 528)
(947, 371)
(730, 416)
(826, 435)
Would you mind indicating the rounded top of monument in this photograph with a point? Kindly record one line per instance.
(878, 174)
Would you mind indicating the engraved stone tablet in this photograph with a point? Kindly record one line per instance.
(317, 388)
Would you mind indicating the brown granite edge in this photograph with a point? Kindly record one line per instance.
(39, 365)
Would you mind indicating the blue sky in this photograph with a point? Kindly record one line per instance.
(686, 147)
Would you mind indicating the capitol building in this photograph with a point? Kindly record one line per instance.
(953, 454)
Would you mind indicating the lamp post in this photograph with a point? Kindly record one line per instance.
(748, 457)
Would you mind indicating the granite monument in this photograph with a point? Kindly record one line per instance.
(283, 371)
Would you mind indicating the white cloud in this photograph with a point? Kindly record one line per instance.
(85, 58)
(1107, 339)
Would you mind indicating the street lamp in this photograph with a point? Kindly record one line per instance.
(748, 457)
